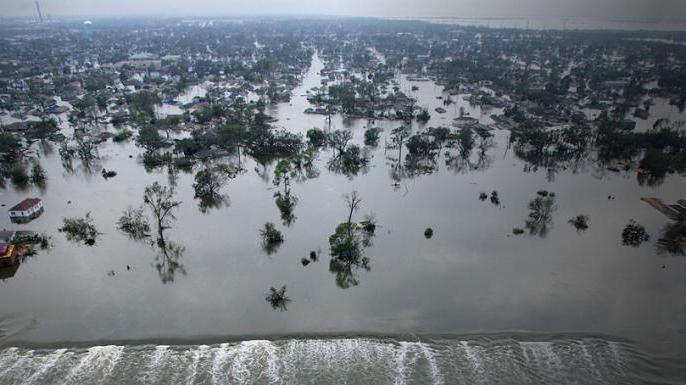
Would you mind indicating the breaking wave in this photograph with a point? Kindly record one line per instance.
(473, 360)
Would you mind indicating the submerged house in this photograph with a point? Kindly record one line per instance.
(7, 255)
(26, 210)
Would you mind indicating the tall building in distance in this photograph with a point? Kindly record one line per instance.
(40, 15)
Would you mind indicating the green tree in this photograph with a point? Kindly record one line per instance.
(271, 238)
(277, 298)
(134, 223)
(371, 137)
(398, 136)
(316, 137)
(339, 140)
(80, 229)
(10, 146)
(208, 183)
(37, 174)
(150, 138)
(18, 174)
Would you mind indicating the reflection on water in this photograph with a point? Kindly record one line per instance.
(167, 260)
(286, 204)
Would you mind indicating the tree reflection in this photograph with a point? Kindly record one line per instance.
(653, 154)
(286, 204)
(271, 238)
(464, 162)
(299, 168)
(412, 167)
(302, 165)
(350, 162)
(284, 201)
(159, 200)
(167, 260)
(653, 168)
(673, 235)
(207, 204)
(424, 150)
(84, 149)
(208, 185)
(672, 239)
(346, 271)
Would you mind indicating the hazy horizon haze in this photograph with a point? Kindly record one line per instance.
(656, 9)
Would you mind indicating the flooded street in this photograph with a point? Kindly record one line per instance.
(472, 276)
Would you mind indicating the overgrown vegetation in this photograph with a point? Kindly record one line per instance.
(134, 223)
(541, 209)
(634, 234)
(347, 244)
(277, 298)
(80, 229)
(580, 222)
(271, 238)
(371, 137)
(428, 233)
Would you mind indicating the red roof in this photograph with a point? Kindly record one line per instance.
(26, 204)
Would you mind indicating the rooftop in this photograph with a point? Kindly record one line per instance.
(25, 204)
(5, 249)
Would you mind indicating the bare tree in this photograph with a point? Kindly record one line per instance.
(353, 201)
(160, 201)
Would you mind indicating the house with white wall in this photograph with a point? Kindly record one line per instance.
(26, 210)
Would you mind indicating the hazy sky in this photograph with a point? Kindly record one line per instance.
(382, 8)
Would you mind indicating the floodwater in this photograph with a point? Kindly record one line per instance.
(473, 304)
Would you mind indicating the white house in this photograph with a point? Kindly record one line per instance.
(26, 210)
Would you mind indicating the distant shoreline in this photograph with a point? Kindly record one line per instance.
(559, 23)
(556, 23)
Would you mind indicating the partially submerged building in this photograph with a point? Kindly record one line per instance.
(7, 255)
(26, 210)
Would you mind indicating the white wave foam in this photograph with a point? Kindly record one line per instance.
(156, 364)
(331, 361)
(98, 362)
(47, 363)
(18, 363)
(198, 355)
(435, 371)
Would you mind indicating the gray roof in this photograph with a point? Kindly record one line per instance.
(6, 236)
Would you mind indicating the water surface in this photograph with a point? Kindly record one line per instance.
(473, 276)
